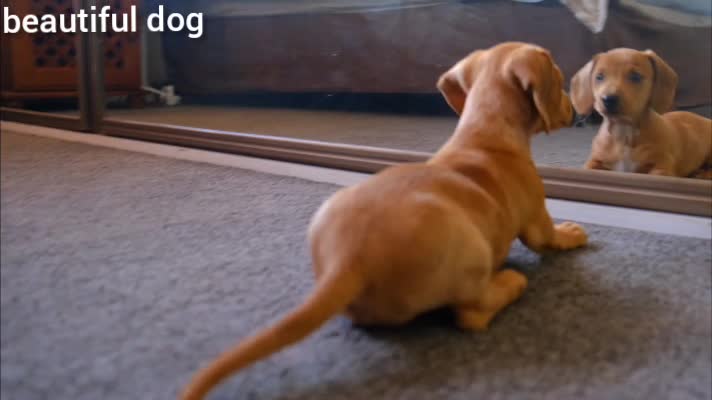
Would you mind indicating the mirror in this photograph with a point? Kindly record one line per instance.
(40, 71)
(363, 72)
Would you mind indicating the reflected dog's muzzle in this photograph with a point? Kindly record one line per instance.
(578, 120)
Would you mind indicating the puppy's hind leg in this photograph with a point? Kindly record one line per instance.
(483, 290)
(705, 171)
(504, 288)
(702, 174)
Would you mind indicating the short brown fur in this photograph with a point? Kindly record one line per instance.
(642, 135)
(417, 237)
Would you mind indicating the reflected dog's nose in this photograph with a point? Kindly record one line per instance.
(611, 103)
(578, 120)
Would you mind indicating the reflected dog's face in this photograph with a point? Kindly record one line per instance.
(622, 84)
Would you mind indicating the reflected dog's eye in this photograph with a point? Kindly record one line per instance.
(600, 77)
(635, 77)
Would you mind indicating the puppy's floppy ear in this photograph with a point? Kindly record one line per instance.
(533, 69)
(662, 98)
(455, 83)
(580, 89)
(452, 90)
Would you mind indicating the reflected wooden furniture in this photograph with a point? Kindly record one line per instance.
(44, 66)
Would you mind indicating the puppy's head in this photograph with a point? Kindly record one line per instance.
(510, 76)
(622, 84)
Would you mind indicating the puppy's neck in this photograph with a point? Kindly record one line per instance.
(498, 121)
(623, 132)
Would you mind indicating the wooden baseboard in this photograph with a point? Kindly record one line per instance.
(17, 95)
(684, 196)
(59, 121)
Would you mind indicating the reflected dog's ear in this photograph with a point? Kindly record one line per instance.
(581, 91)
(662, 97)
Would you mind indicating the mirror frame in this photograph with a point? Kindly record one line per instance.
(677, 195)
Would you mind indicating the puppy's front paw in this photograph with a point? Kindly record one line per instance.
(569, 235)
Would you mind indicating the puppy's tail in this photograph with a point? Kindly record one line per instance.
(333, 293)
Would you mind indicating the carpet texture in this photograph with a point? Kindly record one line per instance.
(122, 273)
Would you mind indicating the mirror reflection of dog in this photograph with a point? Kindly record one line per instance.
(634, 91)
(417, 237)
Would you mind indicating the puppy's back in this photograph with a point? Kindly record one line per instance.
(696, 134)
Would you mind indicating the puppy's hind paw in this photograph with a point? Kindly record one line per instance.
(702, 174)
(474, 321)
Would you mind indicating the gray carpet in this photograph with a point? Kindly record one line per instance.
(122, 273)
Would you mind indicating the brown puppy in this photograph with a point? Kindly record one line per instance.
(422, 236)
(631, 89)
